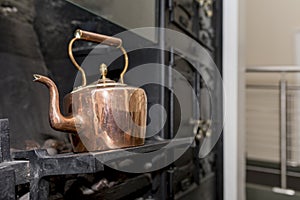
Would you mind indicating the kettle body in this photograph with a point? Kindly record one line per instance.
(114, 117)
(102, 115)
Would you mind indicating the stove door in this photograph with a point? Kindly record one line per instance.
(185, 81)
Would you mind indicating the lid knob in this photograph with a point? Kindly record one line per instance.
(103, 71)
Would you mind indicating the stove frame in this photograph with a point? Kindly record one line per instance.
(34, 166)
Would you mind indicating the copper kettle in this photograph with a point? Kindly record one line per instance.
(102, 115)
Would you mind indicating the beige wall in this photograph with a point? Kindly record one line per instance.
(270, 29)
(271, 26)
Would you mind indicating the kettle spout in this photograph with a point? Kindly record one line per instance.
(57, 120)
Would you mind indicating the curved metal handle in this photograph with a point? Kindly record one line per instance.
(95, 37)
(103, 39)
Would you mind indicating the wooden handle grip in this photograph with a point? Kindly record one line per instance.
(95, 37)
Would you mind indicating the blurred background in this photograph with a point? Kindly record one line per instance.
(272, 98)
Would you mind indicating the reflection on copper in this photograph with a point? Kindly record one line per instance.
(100, 118)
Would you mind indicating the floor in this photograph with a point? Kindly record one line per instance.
(259, 192)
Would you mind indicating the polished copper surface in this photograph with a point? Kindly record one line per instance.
(56, 119)
(100, 117)
(103, 115)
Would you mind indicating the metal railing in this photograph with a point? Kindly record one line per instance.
(283, 99)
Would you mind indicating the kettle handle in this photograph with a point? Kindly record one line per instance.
(95, 37)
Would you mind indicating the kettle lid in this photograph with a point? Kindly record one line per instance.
(103, 82)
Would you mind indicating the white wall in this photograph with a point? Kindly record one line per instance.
(234, 86)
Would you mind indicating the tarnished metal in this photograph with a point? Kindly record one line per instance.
(103, 115)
